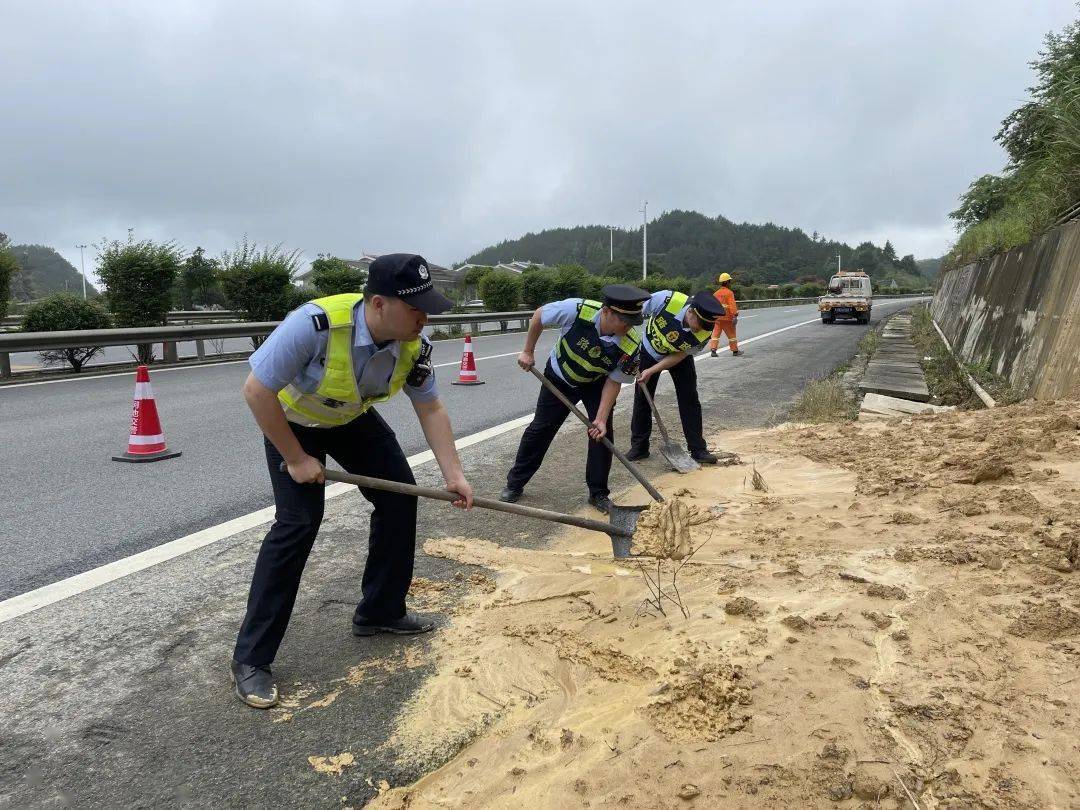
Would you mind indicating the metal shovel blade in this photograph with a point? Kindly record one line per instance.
(623, 520)
(678, 458)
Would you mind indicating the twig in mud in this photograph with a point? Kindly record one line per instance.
(749, 742)
(526, 691)
(493, 700)
(1069, 681)
(906, 791)
(671, 764)
(758, 481)
(570, 595)
(853, 578)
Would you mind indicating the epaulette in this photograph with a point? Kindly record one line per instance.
(321, 321)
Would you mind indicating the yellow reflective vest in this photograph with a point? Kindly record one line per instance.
(668, 334)
(337, 400)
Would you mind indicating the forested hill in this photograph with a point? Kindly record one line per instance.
(43, 271)
(686, 243)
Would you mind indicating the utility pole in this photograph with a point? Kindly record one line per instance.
(838, 264)
(611, 244)
(82, 265)
(645, 241)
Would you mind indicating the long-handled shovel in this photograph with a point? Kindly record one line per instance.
(623, 519)
(631, 466)
(678, 458)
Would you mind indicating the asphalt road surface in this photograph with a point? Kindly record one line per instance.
(119, 696)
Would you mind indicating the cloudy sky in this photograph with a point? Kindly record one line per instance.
(441, 127)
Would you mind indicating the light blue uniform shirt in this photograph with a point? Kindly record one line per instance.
(295, 352)
(563, 314)
(652, 306)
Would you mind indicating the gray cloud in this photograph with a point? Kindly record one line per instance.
(441, 128)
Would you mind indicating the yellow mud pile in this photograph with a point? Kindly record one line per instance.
(898, 615)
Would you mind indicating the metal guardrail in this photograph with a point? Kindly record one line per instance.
(176, 316)
(170, 335)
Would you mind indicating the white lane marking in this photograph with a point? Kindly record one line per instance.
(115, 374)
(80, 583)
(478, 359)
(57, 591)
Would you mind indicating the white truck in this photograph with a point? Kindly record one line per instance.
(849, 296)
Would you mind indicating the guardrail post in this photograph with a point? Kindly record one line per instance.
(200, 349)
(5, 365)
(168, 351)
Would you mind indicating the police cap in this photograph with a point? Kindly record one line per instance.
(625, 301)
(406, 276)
(707, 307)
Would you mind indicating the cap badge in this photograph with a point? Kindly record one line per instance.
(424, 274)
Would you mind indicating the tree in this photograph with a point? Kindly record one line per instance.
(258, 283)
(909, 265)
(139, 278)
(198, 275)
(889, 252)
(501, 291)
(985, 197)
(9, 266)
(61, 312)
(332, 275)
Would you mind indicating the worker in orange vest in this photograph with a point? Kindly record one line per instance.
(726, 322)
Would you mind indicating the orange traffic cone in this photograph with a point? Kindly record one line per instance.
(146, 442)
(467, 374)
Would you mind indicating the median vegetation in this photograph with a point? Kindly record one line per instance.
(1041, 181)
(946, 377)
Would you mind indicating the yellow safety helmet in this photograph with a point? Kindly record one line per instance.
(724, 277)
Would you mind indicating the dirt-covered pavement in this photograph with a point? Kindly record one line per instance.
(895, 619)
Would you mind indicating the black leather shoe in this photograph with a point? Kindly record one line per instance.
(713, 353)
(510, 495)
(737, 353)
(703, 457)
(601, 502)
(408, 625)
(254, 685)
(635, 453)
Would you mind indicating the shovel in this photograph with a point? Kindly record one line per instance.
(678, 458)
(631, 466)
(623, 519)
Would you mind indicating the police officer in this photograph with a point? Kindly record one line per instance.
(597, 352)
(678, 327)
(311, 389)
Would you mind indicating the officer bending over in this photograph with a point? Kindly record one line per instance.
(312, 386)
(597, 352)
(678, 327)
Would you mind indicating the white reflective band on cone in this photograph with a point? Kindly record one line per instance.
(143, 391)
(158, 439)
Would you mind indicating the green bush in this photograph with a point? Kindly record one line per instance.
(139, 279)
(9, 266)
(332, 276)
(64, 312)
(258, 283)
(568, 281)
(536, 288)
(501, 291)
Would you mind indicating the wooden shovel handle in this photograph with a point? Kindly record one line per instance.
(631, 466)
(483, 503)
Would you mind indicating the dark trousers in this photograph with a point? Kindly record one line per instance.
(365, 446)
(684, 375)
(549, 416)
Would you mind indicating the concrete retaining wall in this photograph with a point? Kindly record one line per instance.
(1020, 313)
